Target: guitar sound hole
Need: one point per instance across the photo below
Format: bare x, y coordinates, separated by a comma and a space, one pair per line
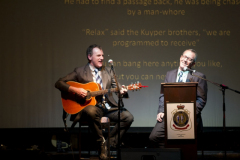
80, 100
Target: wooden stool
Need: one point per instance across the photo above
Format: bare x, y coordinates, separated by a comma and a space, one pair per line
105, 123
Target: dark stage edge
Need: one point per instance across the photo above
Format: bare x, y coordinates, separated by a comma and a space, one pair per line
17, 143
208, 155
40, 155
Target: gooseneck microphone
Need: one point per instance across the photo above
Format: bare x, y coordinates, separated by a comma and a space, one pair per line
110, 61
188, 69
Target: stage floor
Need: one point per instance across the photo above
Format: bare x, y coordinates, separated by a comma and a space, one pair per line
36, 144
73, 155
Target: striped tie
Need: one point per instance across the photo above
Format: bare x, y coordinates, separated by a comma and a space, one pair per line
99, 81
98, 78
180, 79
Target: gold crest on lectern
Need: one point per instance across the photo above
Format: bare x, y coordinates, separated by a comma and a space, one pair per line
180, 120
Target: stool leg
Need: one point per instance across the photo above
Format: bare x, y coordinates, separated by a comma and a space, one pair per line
108, 145
88, 143
79, 141
106, 125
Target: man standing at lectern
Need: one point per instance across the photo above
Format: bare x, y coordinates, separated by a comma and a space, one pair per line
187, 60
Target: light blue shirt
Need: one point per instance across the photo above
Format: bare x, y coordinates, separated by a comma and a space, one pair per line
184, 76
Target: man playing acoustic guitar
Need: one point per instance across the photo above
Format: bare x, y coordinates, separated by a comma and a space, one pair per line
93, 109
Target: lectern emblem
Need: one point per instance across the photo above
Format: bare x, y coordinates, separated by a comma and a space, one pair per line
180, 119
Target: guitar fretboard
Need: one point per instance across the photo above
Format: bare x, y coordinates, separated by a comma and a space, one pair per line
102, 92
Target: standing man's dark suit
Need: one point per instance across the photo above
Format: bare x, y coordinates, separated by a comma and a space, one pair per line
201, 90
158, 133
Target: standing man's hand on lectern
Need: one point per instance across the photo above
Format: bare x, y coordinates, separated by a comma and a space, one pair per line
160, 117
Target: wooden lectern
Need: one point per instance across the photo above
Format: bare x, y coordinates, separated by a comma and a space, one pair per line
180, 117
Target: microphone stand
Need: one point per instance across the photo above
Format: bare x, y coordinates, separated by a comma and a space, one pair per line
222, 88
120, 105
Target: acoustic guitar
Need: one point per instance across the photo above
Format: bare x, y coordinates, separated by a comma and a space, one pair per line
72, 103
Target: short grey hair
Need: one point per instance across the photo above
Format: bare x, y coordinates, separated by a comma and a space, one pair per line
193, 51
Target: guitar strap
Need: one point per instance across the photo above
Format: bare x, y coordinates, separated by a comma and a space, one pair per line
77, 119
64, 117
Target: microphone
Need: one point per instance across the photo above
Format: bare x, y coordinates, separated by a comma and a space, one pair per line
188, 69
110, 61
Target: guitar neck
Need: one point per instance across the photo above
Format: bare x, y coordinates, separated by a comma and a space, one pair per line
102, 92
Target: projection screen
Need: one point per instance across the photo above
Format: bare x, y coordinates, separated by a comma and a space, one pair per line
43, 40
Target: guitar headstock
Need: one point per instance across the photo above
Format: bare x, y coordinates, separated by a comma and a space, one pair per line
135, 86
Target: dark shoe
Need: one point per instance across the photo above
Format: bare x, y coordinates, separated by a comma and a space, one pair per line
103, 152
111, 145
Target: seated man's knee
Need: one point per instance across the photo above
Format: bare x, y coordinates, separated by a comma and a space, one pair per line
152, 137
128, 117
90, 111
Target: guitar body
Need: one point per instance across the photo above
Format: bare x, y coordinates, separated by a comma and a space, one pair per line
72, 103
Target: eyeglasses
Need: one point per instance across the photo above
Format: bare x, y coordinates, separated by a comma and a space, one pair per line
188, 59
